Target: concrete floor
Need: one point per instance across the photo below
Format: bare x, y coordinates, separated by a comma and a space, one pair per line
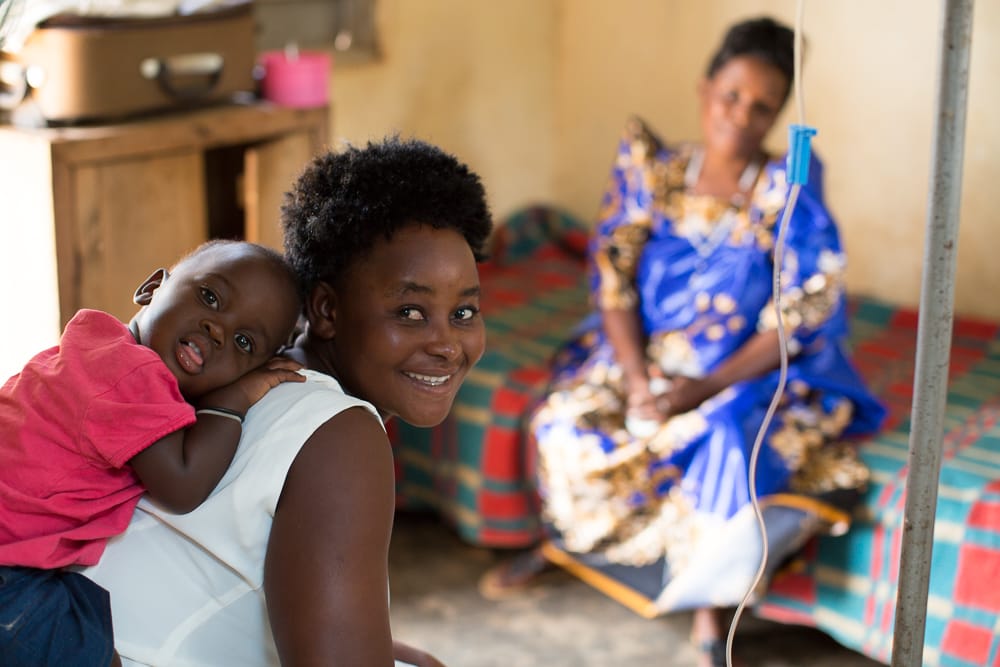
560, 623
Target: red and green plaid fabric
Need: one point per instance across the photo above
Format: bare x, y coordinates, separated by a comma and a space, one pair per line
846, 586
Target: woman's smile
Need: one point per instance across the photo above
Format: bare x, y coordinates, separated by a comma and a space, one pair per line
429, 380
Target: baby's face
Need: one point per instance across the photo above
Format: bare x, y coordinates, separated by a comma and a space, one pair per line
219, 315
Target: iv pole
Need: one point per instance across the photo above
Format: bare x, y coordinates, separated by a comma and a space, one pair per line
930, 383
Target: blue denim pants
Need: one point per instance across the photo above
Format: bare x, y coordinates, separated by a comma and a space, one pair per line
53, 618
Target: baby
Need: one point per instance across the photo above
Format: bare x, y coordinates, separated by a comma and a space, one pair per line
112, 411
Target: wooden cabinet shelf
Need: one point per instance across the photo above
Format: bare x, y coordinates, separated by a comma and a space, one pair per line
88, 212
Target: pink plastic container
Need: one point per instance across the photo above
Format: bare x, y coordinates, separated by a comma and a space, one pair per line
301, 81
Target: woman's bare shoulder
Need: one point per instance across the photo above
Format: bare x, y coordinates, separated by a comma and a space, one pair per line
350, 444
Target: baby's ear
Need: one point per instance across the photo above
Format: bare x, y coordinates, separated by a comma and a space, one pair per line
144, 294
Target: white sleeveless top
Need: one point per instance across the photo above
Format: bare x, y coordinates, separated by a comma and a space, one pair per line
186, 590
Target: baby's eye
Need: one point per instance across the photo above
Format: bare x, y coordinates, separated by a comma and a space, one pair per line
209, 297
466, 313
244, 343
411, 313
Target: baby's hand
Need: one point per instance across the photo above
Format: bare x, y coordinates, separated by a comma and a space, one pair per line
257, 383
250, 388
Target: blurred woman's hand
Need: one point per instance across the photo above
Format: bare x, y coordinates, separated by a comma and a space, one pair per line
683, 395
641, 402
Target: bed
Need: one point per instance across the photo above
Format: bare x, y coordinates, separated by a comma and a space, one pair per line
474, 469
846, 586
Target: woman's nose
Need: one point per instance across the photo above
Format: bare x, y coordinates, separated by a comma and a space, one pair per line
740, 114
444, 343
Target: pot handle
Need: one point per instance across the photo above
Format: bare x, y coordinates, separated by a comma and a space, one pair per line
170, 70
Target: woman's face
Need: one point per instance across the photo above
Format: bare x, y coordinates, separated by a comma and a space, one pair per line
408, 326
739, 104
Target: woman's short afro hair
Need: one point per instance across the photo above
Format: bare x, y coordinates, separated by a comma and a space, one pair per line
344, 201
762, 38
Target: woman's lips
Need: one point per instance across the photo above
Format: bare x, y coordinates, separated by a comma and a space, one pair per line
430, 379
436, 384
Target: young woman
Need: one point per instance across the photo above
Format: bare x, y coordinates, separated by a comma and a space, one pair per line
287, 561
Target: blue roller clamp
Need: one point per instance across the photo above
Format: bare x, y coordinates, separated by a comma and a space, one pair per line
799, 150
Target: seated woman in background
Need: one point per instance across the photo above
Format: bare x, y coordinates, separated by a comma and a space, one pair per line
287, 561
645, 437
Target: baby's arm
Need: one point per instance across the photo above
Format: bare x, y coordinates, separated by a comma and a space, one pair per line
181, 469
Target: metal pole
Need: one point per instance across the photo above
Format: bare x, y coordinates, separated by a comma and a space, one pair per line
930, 383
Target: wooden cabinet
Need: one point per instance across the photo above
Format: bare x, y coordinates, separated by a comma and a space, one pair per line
89, 212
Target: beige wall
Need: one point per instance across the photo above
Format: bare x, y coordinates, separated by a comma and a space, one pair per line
473, 77
533, 94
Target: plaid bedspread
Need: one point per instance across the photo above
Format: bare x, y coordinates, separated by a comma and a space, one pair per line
473, 469
846, 586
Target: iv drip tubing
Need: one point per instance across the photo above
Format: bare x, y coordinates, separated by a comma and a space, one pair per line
779, 248
793, 196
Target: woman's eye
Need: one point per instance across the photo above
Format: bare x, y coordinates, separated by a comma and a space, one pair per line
244, 343
466, 313
409, 313
209, 297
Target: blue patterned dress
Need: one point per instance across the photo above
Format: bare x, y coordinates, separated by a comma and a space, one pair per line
699, 269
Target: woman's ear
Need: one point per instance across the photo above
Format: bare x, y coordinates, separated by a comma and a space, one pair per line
144, 294
702, 89
321, 310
